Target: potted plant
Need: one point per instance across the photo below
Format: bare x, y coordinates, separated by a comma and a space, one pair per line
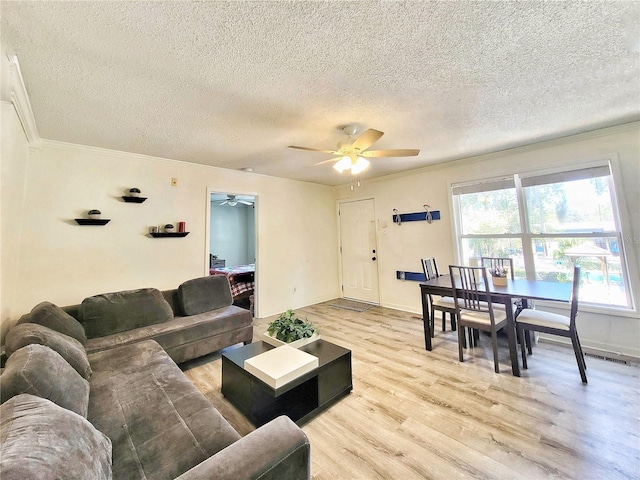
290, 329
498, 275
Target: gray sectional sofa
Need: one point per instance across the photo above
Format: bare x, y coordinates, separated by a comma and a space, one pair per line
192, 320
93, 391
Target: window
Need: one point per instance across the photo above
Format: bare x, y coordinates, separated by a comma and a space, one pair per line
547, 222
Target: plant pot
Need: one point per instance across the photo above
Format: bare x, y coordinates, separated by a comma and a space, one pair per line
501, 281
296, 344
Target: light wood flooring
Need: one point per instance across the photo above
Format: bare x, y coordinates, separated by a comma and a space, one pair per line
415, 414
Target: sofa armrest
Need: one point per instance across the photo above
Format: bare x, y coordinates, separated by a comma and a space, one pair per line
277, 450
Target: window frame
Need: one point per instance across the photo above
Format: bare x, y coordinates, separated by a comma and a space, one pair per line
619, 209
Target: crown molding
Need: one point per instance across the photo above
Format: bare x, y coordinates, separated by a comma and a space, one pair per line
18, 96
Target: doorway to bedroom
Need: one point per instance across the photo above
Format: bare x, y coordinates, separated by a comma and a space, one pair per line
232, 244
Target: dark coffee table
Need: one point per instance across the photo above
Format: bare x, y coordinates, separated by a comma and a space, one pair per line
299, 399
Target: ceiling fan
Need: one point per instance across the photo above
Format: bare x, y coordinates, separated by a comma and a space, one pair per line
353, 153
232, 201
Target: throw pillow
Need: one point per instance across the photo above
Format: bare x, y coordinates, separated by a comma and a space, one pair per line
38, 370
70, 348
116, 312
205, 294
55, 318
41, 441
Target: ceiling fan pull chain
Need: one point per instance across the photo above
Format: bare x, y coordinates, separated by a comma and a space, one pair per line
355, 180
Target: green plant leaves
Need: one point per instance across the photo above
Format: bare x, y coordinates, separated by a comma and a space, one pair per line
289, 328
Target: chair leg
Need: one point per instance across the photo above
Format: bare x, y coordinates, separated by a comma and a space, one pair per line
521, 335
461, 341
494, 345
579, 358
432, 321
444, 321
453, 321
581, 352
472, 342
527, 338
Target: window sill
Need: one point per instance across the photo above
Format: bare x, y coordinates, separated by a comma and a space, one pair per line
592, 308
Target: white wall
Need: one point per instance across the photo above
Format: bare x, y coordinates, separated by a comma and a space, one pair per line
63, 262
401, 247
232, 233
13, 173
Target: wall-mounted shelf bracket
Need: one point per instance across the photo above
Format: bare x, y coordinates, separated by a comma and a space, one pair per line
167, 234
134, 199
92, 221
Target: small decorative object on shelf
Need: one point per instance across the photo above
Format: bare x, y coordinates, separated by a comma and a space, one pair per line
182, 226
289, 329
168, 231
94, 219
498, 275
134, 196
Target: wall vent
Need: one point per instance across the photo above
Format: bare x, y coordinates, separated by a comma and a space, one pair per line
602, 357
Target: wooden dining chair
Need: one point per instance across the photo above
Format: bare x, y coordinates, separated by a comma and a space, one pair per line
474, 309
506, 262
441, 304
555, 324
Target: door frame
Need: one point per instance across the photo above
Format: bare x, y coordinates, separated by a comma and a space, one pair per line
340, 266
207, 236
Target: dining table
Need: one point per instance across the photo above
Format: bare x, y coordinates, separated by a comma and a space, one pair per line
518, 289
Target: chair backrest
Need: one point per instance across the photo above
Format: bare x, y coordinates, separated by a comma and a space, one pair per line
471, 294
430, 268
574, 297
493, 262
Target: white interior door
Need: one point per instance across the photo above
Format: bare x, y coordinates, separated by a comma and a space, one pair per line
358, 246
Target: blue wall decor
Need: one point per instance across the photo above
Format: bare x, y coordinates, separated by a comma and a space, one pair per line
416, 217
412, 276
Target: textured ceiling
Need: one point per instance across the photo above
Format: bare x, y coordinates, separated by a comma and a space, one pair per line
232, 84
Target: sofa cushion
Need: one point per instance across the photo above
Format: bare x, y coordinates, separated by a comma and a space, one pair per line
179, 330
38, 370
160, 425
40, 440
205, 294
55, 318
111, 313
70, 349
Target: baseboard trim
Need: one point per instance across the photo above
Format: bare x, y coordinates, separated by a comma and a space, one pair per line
598, 353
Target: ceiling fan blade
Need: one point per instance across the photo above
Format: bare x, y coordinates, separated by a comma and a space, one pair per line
326, 161
365, 140
313, 149
403, 152
224, 203
244, 202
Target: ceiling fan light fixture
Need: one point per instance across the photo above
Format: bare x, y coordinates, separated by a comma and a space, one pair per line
354, 163
343, 164
359, 165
